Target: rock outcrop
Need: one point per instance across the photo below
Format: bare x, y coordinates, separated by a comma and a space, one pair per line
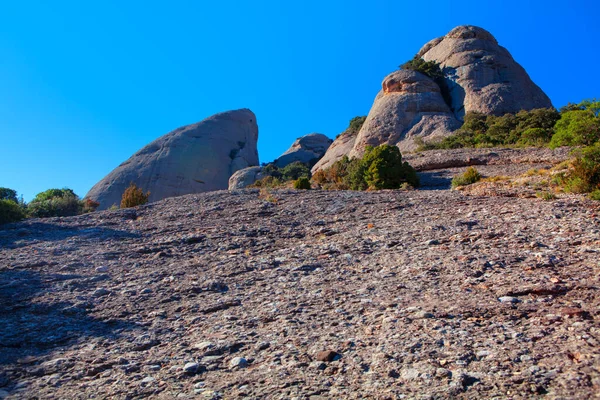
305, 149
341, 146
409, 105
481, 75
245, 177
192, 159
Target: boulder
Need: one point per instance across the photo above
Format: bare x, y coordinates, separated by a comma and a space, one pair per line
481, 75
305, 149
410, 105
192, 159
245, 177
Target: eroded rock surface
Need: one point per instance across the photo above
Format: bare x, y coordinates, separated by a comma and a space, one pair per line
341, 146
385, 294
409, 105
305, 149
481, 75
192, 159
244, 177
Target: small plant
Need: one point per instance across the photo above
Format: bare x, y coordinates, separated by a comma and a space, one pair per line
265, 195
546, 196
89, 205
267, 182
10, 211
302, 183
595, 195
470, 176
134, 196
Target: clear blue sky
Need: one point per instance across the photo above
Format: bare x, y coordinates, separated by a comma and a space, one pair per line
83, 85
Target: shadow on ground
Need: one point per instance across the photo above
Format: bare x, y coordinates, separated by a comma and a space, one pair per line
435, 180
32, 326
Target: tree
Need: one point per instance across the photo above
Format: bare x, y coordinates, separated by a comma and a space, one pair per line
575, 128
8, 194
55, 203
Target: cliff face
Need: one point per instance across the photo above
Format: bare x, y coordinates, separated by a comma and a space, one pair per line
478, 75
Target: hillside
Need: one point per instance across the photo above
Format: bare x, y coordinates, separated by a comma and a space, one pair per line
237, 294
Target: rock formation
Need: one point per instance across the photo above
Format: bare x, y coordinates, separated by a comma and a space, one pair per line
409, 105
482, 75
245, 177
479, 75
192, 159
305, 149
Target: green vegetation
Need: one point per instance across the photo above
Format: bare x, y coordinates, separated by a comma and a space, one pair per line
354, 126
10, 211
54, 203
276, 177
526, 128
470, 176
429, 68
302, 183
8, 194
134, 196
379, 168
546, 195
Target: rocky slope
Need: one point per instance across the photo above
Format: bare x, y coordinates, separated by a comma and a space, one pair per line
306, 295
192, 159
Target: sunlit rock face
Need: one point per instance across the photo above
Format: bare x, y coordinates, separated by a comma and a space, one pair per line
481, 75
192, 159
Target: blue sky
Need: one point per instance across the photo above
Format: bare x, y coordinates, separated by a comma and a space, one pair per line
83, 85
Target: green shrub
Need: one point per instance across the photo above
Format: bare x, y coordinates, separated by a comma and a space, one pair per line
546, 195
380, 168
595, 195
354, 126
134, 196
302, 183
575, 128
10, 211
586, 168
429, 68
54, 203
384, 169
267, 182
470, 176
8, 194
295, 171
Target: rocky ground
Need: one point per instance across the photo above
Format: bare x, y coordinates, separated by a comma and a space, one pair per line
306, 295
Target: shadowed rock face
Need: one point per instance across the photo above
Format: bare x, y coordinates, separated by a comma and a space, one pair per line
409, 105
192, 159
340, 147
482, 75
305, 149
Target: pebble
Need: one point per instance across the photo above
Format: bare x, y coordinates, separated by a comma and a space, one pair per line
148, 379
191, 367
100, 292
102, 268
508, 299
328, 355
238, 362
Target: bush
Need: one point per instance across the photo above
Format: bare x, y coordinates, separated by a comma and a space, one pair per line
354, 126
89, 205
134, 196
10, 211
384, 169
302, 183
586, 169
294, 171
595, 195
470, 176
8, 194
380, 168
576, 128
267, 182
54, 203
429, 68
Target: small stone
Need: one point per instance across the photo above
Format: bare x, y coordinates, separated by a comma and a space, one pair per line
328, 355
239, 362
410, 374
146, 291
204, 346
320, 365
424, 315
443, 373
262, 346
191, 367
147, 380
3, 394
432, 242
100, 292
508, 299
